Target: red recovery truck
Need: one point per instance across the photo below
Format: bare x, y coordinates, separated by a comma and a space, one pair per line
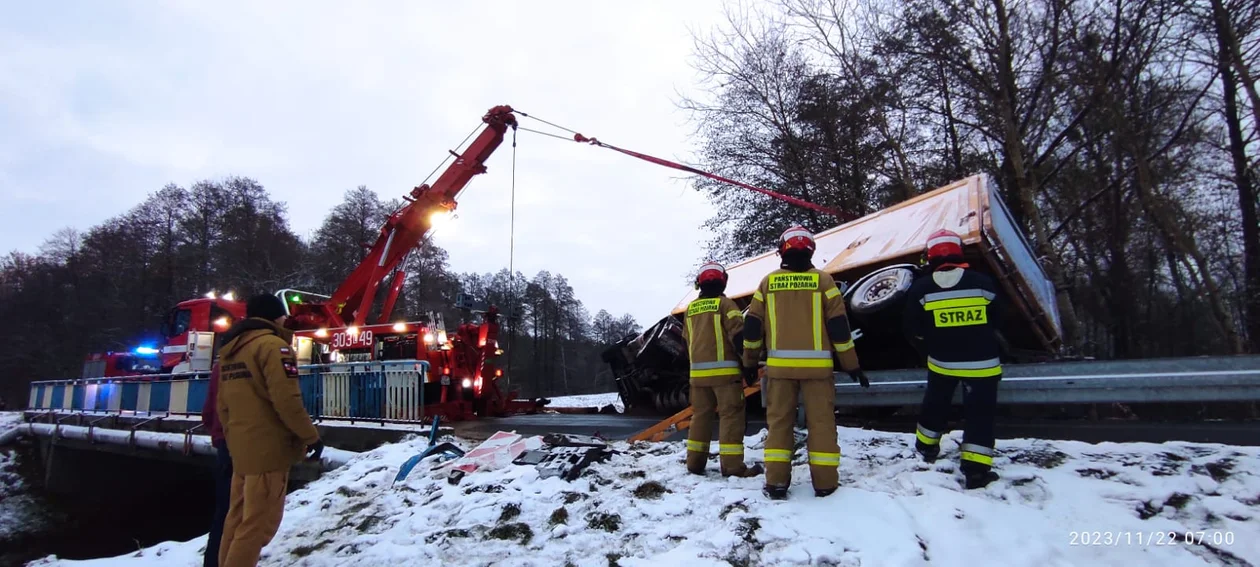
342, 327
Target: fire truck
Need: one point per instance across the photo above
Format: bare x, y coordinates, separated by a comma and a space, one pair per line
140, 362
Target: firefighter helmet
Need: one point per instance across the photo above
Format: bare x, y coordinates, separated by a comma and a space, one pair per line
796, 238
944, 244
710, 272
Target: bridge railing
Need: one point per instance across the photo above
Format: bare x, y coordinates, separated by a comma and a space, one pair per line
367, 391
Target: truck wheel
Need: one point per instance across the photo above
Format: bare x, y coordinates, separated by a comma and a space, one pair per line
881, 290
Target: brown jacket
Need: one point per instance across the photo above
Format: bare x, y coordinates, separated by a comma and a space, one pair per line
259, 402
804, 324
709, 329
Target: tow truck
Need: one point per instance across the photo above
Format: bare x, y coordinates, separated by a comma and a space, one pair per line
344, 327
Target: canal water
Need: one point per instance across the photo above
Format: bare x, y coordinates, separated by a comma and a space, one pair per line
119, 504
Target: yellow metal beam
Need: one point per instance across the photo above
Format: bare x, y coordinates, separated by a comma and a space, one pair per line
677, 422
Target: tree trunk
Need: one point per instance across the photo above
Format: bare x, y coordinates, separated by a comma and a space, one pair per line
1178, 239
1231, 52
1023, 184
1242, 176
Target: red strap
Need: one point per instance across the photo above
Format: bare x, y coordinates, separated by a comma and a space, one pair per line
793, 200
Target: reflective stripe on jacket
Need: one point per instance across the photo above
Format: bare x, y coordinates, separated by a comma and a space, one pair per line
800, 311
956, 326
710, 328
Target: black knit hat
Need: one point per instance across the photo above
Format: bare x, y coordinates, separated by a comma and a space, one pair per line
265, 306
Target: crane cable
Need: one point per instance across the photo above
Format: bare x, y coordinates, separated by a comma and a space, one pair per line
512, 303
577, 137
512, 226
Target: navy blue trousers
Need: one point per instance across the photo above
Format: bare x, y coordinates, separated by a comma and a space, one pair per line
222, 491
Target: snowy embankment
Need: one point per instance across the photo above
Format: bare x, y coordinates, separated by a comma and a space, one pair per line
20, 512
1057, 503
589, 401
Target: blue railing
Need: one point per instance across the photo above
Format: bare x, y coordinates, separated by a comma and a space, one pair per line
392, 390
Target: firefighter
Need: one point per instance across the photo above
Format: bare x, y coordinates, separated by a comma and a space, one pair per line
265, 424
798, 315
222, 467
712, 324
951, 317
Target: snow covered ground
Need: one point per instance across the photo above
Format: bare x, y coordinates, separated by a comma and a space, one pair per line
588, 401
21, 511
1057, 504
15, 512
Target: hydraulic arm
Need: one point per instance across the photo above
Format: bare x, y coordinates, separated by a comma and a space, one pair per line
352, 302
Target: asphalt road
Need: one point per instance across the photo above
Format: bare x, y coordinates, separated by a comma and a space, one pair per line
620, 427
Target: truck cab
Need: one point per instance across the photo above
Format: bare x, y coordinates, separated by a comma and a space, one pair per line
190, 328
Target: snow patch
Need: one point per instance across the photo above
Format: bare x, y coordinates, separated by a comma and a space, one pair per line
589, 401
1057, 503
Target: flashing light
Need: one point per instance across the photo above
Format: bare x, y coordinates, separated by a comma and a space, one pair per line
222, 322
321, 333
498, 352
352, 330
229, 296
211, 294
145, 350
400, 327
467, 383
498, 373
428, 338
439, 218
446, 370
441, 337
295, 299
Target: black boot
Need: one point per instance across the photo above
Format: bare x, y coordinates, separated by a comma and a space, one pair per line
979, 479
775, 492
823, 492
929, 452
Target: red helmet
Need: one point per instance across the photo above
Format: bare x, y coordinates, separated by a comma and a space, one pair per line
944, 244
711, 272
796, 238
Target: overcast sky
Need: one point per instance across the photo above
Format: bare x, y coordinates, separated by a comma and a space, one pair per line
102, 103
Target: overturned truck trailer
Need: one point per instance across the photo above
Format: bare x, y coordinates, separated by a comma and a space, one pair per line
874, 260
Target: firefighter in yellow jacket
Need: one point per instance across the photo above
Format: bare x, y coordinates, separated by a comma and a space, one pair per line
798, 315
713, 322
265, 425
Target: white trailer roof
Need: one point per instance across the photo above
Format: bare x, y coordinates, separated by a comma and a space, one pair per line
895, 232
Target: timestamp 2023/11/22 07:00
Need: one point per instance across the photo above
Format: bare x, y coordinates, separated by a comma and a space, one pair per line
1102, 537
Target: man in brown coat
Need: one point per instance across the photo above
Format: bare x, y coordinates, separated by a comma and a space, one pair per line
711, 325
265, 424
799, 311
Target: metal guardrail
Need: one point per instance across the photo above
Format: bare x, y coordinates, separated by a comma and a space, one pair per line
368, 391
1163, 380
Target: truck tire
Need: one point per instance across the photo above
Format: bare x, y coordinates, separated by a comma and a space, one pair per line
881, 289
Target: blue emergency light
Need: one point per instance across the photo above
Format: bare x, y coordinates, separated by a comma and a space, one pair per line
145, 350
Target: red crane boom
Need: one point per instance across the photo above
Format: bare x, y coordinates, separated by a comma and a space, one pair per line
351, 303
